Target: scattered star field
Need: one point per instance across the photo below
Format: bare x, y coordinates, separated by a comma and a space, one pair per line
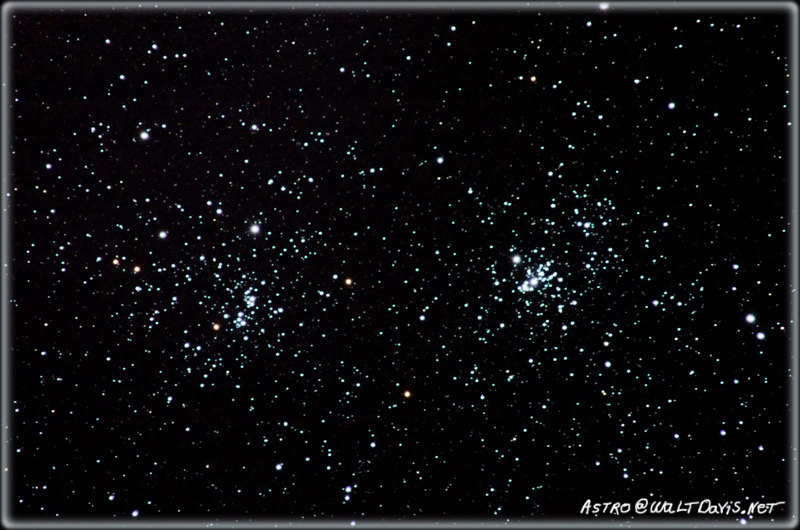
352, 263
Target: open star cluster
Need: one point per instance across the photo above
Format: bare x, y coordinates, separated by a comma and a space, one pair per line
366, 264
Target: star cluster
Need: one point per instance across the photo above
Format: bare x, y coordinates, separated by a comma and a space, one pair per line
354, 263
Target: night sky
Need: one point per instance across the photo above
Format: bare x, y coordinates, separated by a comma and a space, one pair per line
397, 264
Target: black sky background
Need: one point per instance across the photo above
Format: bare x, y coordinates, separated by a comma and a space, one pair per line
95, 360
